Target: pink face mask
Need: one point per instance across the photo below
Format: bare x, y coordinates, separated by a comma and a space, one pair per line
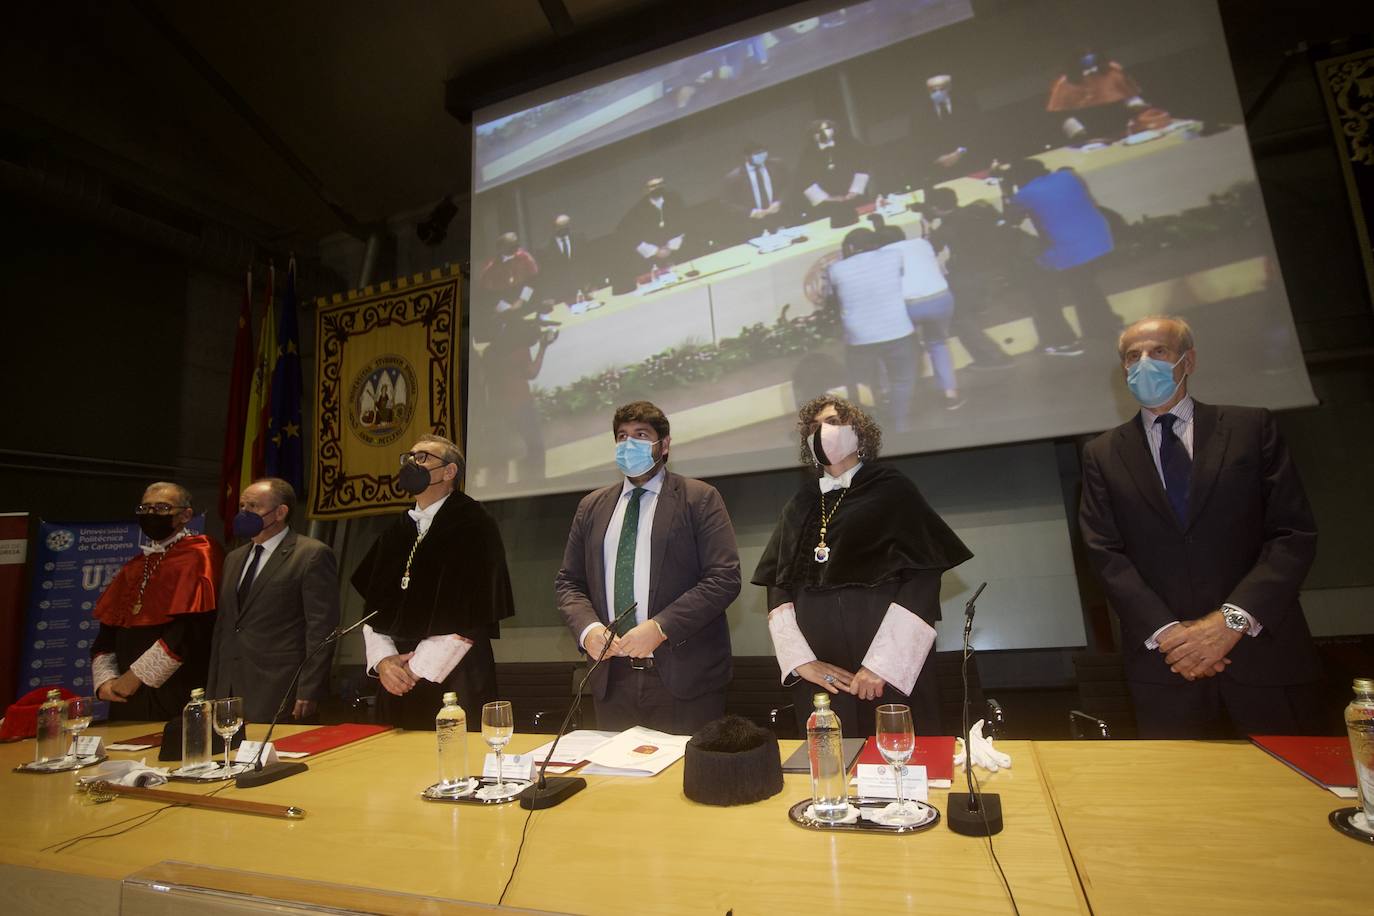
832, 444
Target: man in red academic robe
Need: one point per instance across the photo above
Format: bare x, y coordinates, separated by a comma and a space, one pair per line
158, 615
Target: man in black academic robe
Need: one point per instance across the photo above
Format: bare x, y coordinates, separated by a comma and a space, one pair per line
654, 233
438, 576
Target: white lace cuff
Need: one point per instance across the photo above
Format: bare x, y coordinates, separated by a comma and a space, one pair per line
899, 649
859, 184
789, 644
377, 648
104, 667
814, 194
646, 250
436, 656
155, 665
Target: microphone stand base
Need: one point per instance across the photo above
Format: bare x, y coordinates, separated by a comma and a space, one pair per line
970, 815
554, 791
269, 773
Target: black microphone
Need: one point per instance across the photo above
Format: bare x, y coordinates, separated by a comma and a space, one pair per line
972, 813
261, 775
546, 793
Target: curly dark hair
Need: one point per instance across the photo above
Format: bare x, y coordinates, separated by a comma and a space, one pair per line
869, 433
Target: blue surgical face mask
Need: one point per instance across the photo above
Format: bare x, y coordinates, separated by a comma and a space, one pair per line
1152, 381
634, 457
759, 158
939, 96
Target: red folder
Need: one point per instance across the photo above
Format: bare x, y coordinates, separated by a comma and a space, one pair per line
935, 753
327, 737
1325, 761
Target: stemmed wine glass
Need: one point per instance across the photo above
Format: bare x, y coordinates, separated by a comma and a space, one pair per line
76, 717
228, 719
498, 723
896, 741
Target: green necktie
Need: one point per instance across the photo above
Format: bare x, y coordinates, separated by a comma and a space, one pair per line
625, 563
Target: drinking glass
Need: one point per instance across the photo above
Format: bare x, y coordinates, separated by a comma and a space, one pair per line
498, 723
228, 719
896, 741
76, 717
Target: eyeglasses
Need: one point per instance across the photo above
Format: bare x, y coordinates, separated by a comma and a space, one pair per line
158, 509
419, 458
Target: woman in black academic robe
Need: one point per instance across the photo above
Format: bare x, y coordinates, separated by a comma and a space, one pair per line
853, 577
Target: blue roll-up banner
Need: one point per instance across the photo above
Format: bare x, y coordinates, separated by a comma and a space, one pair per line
72, 564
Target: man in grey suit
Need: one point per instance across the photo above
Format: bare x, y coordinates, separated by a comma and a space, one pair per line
663, 543
279, 600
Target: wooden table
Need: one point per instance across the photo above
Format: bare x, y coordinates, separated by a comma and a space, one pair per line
1200, 827
621, 846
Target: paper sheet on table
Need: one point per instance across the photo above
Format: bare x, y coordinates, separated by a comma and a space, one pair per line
573, 749
637, 751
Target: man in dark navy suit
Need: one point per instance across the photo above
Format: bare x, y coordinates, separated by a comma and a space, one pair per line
1197, 522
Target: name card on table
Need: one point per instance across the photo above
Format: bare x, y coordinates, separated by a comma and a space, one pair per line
86, 746
513, 766
248, 752
876, 780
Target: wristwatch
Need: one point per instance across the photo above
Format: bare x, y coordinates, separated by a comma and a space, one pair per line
1235, 619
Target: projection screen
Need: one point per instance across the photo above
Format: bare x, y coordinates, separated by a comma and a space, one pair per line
944, 209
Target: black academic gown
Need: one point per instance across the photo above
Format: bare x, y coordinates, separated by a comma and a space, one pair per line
886, 545
458, 584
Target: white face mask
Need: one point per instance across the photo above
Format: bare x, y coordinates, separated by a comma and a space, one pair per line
836, 443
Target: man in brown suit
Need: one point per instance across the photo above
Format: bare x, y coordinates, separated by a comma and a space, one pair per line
664, 544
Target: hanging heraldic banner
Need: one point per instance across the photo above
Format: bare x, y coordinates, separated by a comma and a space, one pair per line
1347, 84
388, 373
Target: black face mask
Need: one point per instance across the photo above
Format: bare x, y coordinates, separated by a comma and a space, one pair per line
157, 527
817, 450
413, 479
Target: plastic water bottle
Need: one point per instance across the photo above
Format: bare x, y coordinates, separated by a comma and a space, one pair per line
50, 729
1359, 725
829, 787
195, 733
451, 727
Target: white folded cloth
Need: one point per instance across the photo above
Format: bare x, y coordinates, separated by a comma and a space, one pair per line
127, 773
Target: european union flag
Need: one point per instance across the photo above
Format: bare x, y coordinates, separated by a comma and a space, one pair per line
285, 450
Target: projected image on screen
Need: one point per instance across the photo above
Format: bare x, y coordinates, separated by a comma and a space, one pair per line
945, 210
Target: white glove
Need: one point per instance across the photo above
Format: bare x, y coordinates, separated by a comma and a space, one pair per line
982, 751
128, 773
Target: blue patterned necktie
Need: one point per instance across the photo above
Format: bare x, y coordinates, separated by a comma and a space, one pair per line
625, 563
1176, 466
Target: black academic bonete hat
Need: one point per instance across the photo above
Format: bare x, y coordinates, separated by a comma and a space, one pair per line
732, 761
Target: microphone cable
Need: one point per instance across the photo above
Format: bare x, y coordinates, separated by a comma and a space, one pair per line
978, 789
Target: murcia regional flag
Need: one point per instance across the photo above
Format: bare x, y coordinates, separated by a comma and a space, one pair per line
388, 372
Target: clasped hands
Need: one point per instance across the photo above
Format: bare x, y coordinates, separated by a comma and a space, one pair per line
640, 642
1198, 648
864, 684
119, 689
395, 674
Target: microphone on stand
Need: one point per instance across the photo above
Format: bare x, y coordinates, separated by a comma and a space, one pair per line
972, 813
261, 775
546, 793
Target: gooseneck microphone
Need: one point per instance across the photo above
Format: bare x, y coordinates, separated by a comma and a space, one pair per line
261, 775
972, 813
546, 793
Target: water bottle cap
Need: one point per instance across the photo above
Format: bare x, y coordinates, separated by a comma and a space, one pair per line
198, 693
1364, 685
55, 694
821, 699
450, 699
